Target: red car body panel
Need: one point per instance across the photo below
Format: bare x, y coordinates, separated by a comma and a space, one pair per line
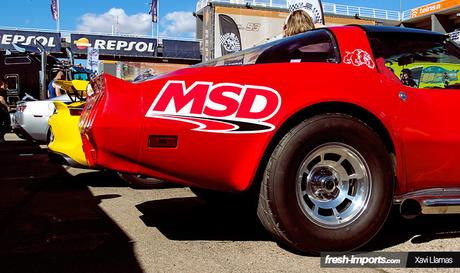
422, 129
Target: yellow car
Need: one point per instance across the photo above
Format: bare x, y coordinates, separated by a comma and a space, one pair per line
65, 145
65, 142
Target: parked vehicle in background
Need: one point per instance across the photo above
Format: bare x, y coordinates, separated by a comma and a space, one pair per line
31, 117
65, 145
21, 73
30, 120
326, 135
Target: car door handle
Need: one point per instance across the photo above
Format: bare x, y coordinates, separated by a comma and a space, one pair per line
38, 116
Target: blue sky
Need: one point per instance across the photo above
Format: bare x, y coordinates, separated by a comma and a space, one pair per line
98, 15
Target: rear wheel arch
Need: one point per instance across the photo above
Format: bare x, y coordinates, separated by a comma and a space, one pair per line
339, 171
323, 108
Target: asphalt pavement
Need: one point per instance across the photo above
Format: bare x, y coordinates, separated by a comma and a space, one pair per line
59, 219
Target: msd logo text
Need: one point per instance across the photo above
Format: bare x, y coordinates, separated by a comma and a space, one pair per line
218, 108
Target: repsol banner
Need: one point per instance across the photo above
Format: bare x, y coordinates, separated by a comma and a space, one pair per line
51, 41
114, 45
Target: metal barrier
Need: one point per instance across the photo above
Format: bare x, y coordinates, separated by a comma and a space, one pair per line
261, 3
346, 10
407, 14
329, 8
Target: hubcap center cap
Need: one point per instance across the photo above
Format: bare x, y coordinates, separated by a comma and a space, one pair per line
329, 185
323, 182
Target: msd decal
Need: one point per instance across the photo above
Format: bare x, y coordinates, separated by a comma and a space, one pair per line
359, 57
218, 108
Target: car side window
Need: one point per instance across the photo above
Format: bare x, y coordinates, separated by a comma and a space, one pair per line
312, 46
426, 62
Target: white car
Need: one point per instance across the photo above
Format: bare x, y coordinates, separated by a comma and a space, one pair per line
31, 118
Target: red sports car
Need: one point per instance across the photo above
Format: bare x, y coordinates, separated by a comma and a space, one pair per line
317, 124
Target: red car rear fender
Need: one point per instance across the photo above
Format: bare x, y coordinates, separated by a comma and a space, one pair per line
114, 134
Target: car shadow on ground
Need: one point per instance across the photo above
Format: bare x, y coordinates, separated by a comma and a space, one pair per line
51, 222
422, 229
192, 219
101, 179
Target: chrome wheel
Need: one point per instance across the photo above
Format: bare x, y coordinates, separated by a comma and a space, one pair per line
333, 185
328, 185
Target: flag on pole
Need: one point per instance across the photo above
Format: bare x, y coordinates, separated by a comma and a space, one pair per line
154, 11
55, 9
230, 37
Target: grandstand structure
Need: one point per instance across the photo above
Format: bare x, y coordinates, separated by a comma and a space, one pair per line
257, 21
441, 16
330, 9
226, 26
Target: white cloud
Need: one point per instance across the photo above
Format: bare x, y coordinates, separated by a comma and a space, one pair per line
178, 24
127, 24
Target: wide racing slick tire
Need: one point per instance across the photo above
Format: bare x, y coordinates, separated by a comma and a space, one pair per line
142, 182
328, 185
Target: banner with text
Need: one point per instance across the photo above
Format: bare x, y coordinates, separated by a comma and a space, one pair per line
433, 7
51, 41
114, 45
390, 260
237, 29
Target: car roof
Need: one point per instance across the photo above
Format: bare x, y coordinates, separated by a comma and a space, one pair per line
376, 30
371, 32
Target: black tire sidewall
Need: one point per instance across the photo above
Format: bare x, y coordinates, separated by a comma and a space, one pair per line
302, 232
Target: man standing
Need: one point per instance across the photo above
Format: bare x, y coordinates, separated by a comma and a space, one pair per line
5, 122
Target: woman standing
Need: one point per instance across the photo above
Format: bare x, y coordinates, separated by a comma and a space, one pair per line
298, 22
304, 15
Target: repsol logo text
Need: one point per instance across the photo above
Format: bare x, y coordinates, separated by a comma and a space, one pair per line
124, 45
9, 39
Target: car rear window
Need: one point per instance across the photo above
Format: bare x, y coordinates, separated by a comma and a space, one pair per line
312, 46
